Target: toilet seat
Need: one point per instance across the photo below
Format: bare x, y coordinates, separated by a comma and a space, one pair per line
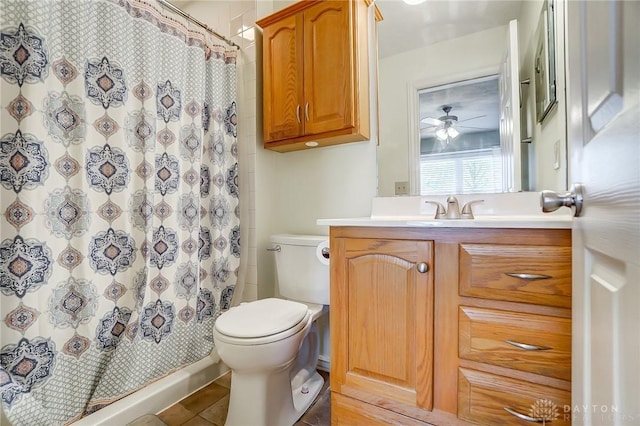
262, 321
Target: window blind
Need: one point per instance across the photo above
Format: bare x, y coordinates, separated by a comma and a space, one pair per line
461, 172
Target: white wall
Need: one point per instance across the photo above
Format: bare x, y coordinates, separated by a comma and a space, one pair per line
431, 65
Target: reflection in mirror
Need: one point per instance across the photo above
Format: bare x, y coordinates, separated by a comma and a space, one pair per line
459, 138
441, 42
544, 63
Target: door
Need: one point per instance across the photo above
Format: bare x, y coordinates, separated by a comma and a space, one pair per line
509, 84
282, 79
382, 321
603, 113
329, 67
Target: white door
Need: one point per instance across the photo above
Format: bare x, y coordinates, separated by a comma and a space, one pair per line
603, 101
509, 84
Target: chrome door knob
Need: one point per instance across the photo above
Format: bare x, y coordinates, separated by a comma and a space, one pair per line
551, 201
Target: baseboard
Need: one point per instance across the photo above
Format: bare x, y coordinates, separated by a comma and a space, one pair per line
324, 363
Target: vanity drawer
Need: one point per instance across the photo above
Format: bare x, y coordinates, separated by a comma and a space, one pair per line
517, 273
484, 398
538, 344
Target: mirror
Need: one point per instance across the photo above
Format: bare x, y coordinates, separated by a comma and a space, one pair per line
440, 43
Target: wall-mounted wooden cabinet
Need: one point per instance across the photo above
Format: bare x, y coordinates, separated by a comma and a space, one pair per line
316, 74
450, 326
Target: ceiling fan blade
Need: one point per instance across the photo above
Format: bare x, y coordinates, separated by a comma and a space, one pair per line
431, 121
472, 118
476, 128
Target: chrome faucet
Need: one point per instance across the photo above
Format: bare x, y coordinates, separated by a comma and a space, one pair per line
453, 209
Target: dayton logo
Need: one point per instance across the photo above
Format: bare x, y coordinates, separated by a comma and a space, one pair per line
544, 411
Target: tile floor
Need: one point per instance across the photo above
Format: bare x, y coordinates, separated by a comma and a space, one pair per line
208, 407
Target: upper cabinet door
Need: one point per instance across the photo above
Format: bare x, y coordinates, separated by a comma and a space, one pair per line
282, 74
328, 67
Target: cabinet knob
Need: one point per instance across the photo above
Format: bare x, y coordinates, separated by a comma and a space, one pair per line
422, 267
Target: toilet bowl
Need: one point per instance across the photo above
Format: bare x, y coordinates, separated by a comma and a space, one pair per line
272, 345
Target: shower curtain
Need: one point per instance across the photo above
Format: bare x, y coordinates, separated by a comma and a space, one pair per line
119, 234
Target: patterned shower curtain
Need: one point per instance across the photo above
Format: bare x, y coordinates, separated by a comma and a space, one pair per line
119, 234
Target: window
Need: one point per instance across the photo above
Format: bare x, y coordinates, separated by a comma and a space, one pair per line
476, 171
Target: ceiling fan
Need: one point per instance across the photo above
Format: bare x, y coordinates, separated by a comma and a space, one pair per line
446, 126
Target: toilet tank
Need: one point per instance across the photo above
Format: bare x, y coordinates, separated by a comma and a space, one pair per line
303, 274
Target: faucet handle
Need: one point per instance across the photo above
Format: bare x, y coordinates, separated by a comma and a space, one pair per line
440, 210
467, 213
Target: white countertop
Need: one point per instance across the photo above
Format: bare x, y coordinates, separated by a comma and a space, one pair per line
551, 222
511, 210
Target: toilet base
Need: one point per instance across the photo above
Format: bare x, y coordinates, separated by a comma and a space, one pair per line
302, 399
277, 399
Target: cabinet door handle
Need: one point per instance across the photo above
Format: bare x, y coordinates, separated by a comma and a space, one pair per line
298, 113
422, 267
528, 347
524, 416
528, 277
306, 111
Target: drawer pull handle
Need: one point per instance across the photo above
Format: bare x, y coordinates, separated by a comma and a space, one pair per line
528, 277
527, 347
524, 416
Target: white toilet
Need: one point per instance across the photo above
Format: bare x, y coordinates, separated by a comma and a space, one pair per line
271, 345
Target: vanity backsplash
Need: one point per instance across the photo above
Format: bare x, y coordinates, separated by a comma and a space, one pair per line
508, 204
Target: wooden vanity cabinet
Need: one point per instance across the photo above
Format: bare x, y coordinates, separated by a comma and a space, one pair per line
462, 342
316, 74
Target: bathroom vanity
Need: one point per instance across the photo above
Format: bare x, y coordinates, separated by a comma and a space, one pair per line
450, 322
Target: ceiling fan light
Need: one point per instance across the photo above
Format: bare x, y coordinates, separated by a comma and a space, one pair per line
441, 134
414, 2
452, 132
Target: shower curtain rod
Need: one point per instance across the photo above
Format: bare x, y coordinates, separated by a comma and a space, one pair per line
195, 21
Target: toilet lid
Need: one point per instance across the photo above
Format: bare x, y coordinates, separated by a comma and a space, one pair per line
261, 318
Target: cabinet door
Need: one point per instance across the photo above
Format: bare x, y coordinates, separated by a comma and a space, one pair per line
282, 79
329, 67
382, 322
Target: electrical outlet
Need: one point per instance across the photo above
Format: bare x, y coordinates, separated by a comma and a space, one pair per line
402, 188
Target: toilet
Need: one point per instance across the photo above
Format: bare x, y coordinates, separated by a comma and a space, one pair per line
272, 345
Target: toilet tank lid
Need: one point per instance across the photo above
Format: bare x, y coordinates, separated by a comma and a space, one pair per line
298, 240
261, 318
